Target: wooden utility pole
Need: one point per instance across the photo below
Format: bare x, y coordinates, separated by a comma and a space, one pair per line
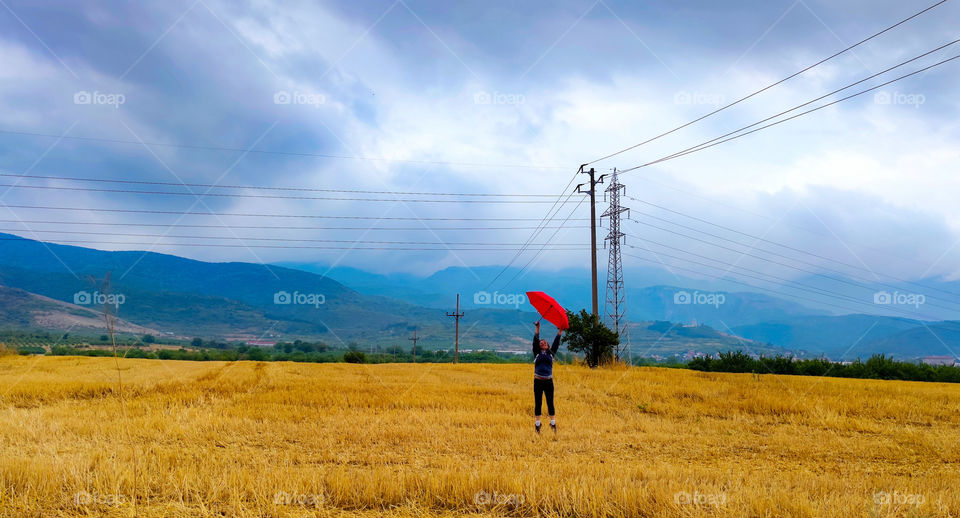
414, 340
593, 234
457, 315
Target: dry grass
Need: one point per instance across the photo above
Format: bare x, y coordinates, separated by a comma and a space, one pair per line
216, 439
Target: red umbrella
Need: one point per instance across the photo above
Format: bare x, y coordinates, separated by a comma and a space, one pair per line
549, 309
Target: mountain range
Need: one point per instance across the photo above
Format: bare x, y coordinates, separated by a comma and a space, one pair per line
50, 286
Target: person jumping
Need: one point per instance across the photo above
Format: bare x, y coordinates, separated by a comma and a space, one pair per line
543, 375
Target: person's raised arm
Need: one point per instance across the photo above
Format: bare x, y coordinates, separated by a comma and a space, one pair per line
556, 342
536, 338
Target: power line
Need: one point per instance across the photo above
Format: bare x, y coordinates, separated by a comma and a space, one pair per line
254, 215
271, 152
224, 245
752, 213
266, 196
791, 76
827, 95
265, 187
245, 238
727, 267
758, 238
778, 280
535, 256
811, 272
894, 309
704, 145
250, 227
802, 287
751, 286
540, 226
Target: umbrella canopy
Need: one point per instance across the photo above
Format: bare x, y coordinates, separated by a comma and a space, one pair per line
549, 309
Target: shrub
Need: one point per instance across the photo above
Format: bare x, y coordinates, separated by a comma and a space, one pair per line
355, 357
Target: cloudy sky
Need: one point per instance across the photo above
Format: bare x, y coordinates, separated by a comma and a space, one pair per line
483, 97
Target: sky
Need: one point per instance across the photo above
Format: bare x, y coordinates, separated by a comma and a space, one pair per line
489, 98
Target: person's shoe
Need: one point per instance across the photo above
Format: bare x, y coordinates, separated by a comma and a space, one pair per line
554, 426
538, 428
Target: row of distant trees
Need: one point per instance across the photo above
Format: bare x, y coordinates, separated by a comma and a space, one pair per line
587, 339
275, 354
876, 367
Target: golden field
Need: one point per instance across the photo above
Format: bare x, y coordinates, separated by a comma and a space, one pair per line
283, 439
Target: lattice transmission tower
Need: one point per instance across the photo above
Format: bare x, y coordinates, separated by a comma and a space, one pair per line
614, 307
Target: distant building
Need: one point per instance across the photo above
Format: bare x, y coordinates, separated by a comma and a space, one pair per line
261, 343
940, 360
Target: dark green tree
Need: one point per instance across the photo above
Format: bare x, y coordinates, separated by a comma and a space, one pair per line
256, 354
589, 336
354, 357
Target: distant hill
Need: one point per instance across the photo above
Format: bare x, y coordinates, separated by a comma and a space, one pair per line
571, 287
667, 339
188, 297
858, 336
165, 294
25, 310
933, 339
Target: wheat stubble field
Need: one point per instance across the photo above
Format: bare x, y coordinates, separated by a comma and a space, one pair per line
283, 439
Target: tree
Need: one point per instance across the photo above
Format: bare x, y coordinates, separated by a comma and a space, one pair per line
197, 342
589, 336
256, 354
149, 339
355, 357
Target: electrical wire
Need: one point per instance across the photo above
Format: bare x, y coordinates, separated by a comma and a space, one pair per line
762, 239
262, 196
704, 145
791, 76
246, 238
780, 281
535, 256
540, 226
254, 215
263, 187
804, 270
270, 152
224, 245
251, 227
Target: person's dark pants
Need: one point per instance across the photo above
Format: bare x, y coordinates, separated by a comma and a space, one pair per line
541, 388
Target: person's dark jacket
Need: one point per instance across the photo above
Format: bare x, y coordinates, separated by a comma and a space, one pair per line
543, 360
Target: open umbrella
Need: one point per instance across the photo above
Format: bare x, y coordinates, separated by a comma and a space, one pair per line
549, 309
